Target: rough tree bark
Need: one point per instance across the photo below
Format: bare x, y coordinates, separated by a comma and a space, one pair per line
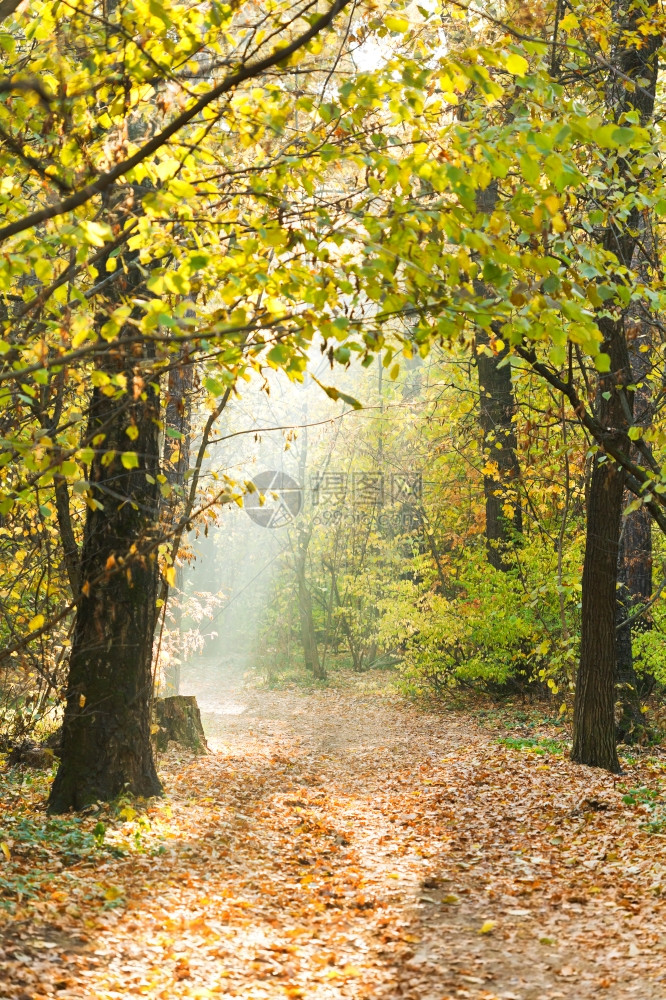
635, 564
106, 746
631, 87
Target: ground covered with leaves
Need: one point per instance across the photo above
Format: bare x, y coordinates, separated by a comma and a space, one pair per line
344, 843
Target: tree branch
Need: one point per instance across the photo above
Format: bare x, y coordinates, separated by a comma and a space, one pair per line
105, 180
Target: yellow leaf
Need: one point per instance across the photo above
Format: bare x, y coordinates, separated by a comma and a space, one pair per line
517, 65
552, 203
558, 223
170, 575
82, 700
36, 622
395, 23
569, 22
5, 850
487, 926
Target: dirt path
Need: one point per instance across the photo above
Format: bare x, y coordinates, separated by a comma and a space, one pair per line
338, 844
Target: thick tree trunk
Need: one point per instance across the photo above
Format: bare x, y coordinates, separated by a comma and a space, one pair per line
106, 746
634, 584
631, 87
500, 486
635, 565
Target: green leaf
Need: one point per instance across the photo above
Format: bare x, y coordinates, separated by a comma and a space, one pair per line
214, 386
327, 112
334, 393
529, 168
130, 460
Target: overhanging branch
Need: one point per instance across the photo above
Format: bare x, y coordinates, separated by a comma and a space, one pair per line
105, 180
636, 478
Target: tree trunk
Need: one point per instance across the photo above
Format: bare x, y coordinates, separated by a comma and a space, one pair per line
500, 486
308, 637
635, 565
594, 716
70, 549
106, 746
631, 87
497, 406
176, 462
630, 727
634, 592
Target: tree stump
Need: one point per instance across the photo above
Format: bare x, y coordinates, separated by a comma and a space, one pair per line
27, 753
178, 719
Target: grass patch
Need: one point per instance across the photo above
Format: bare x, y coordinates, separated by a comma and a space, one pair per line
539, 745
648, 801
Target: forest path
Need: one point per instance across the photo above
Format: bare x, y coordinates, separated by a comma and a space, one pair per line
342, 843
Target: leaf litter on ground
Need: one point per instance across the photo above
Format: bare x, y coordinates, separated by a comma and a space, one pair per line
343, 843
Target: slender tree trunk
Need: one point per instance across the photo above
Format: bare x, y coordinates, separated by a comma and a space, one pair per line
70, 548
308, 637
630, 727
311, 656
106, 747
357, 659
631, 87
497, 406
500, 482
176, 462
